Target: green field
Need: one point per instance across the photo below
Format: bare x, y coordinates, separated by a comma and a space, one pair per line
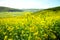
40, 25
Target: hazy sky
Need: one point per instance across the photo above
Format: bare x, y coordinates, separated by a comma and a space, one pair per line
27, 4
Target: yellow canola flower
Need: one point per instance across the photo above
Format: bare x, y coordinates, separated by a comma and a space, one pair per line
10, 39
36, 33
38, 38
4, 33
53, 36
46, 27
22, 31
45, 35
10, 28
6, 37
32, 29
17, 27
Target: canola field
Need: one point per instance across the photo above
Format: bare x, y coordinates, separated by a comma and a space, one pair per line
30, 27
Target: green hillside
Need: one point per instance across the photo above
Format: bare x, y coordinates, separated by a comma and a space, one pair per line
7, 9
54, 10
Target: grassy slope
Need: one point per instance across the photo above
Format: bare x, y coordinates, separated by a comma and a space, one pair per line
13, 14
49, 11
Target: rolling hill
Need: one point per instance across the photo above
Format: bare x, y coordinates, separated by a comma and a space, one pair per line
49, 10
7, 9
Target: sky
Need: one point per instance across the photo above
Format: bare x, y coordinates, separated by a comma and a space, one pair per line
30, 4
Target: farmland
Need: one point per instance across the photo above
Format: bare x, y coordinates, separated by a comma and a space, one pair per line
43, 25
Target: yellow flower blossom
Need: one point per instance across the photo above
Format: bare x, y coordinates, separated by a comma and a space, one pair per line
45, 35
6, 37
10, 28
32, 29
10, 39
36, 33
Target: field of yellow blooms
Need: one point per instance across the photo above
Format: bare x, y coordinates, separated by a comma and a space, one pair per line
30, 27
